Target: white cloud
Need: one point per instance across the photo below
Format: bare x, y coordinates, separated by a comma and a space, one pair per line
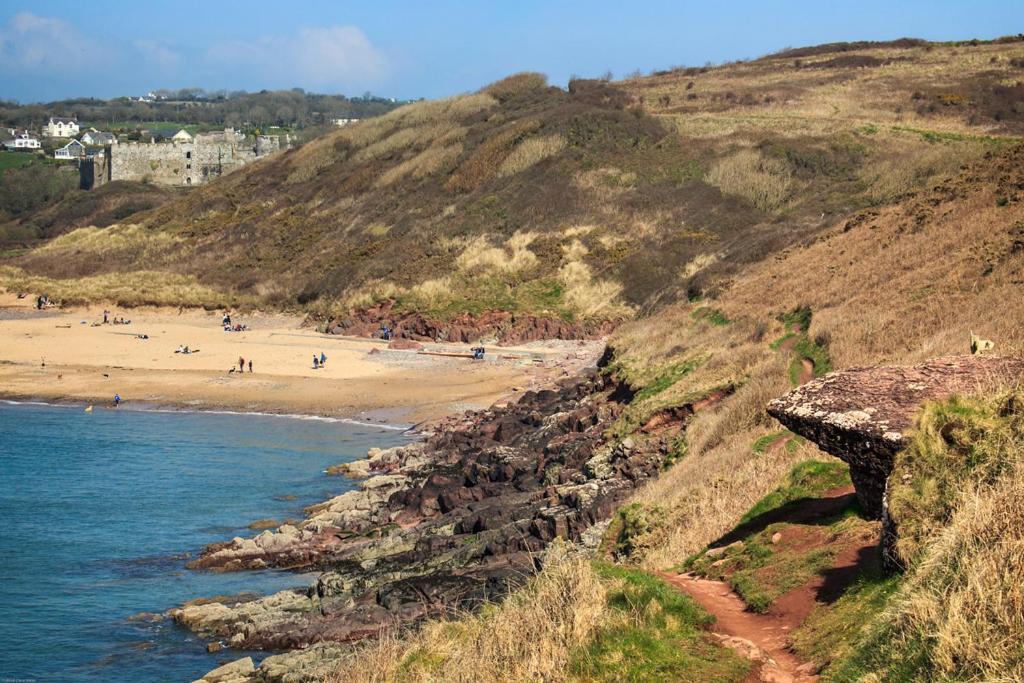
331, 56
42, 44
158, 53
48, 57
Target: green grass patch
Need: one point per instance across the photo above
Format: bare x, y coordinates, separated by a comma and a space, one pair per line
15, 159
830, 634
808, 479
761, 445
777, 344
800, 316
758, 570
935, 136
666, 377
806, 347
711, 315
655, 633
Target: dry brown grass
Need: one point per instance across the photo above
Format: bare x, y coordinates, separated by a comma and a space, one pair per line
133, 288
767, 183
529, 152
904, 287
427, 162
967, 597
515, 256
482, 163
528, 637
516, 84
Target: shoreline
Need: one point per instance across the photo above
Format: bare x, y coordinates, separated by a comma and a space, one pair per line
153, 407
70, 356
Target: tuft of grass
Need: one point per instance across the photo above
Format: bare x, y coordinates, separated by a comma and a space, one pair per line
532, 635
529, 152
653, 633
961, 439
766, 182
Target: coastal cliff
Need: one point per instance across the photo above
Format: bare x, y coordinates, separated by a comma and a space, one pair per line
445, 524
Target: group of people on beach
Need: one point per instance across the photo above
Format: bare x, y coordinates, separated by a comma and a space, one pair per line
115, 321
319, 361
241, 365
42, 301
228, 327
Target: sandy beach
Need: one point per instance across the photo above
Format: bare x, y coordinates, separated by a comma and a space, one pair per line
64, 355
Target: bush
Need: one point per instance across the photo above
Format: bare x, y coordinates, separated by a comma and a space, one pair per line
516, 84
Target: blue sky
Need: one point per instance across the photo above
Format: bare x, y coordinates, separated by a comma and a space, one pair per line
102, 48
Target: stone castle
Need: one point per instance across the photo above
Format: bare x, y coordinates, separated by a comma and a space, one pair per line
181, 162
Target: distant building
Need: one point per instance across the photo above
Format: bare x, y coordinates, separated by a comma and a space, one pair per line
60, 127
22, 140
72, 150
343, 122
181, 136
98, 138
183, 164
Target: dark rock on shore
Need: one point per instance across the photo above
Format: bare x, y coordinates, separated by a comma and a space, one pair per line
444, 524
503, 326
863, 415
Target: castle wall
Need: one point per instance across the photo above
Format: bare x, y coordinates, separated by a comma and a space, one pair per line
188, 164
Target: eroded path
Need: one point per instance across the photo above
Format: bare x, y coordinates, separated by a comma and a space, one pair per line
759, 637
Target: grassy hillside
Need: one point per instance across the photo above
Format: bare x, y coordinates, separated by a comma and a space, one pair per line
600, 202
896, 284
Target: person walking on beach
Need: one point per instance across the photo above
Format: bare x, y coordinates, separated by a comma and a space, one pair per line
250, 366
316, 362
106, 313
117, 400
241, 364
323, 359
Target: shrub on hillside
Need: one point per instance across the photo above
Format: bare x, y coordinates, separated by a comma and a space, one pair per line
516, 84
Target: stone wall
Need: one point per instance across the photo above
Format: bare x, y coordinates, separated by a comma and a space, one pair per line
208, 156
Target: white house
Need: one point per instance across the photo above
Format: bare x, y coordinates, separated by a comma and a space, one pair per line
60, 127
343, 122
22, 140
72, 150
98, 138
181, 136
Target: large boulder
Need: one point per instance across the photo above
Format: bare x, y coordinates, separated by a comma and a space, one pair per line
863, 415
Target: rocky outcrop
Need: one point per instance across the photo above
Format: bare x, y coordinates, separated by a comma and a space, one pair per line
863, 415
502, 326
447, 523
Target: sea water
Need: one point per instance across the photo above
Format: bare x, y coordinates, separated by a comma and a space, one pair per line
100, 511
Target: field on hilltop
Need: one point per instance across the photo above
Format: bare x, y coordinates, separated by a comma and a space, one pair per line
599, 202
